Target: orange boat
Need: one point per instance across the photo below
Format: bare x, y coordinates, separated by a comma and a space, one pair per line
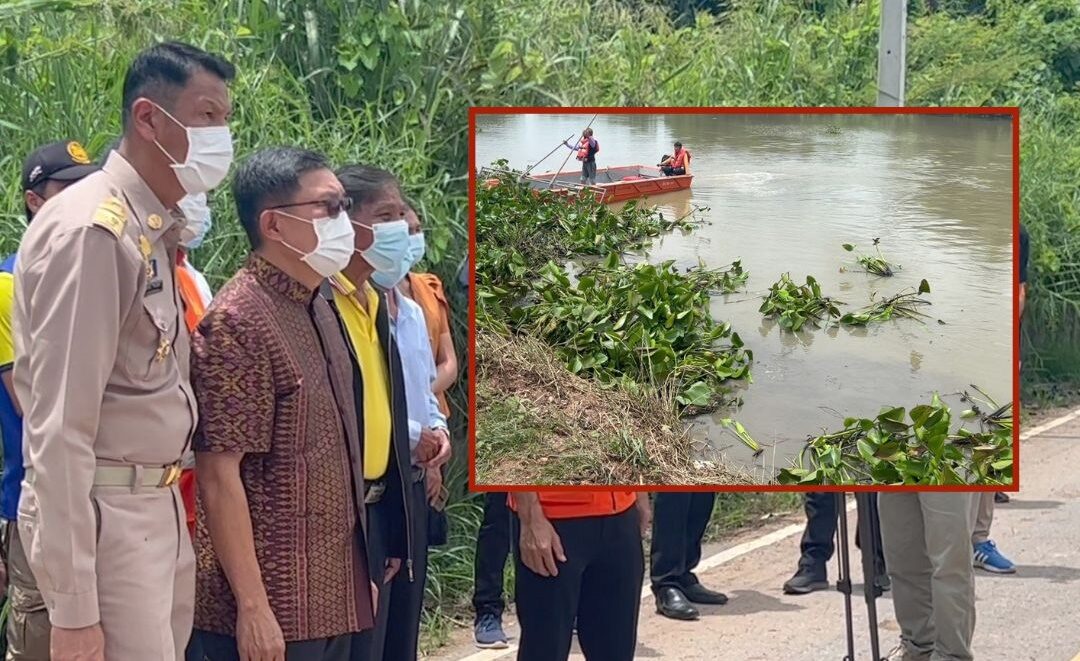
613, 184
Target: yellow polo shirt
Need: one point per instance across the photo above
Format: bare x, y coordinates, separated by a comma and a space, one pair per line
360, 324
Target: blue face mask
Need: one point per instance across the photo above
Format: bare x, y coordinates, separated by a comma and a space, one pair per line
417, 247
389, 252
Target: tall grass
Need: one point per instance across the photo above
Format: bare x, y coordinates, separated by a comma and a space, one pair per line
389, 82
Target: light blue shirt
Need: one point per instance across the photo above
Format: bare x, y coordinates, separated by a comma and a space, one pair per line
418, 366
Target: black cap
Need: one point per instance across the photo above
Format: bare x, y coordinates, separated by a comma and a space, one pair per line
60, 161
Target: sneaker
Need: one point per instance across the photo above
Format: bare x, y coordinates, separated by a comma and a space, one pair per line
989, 558
806, 580
489, 633
1000, 497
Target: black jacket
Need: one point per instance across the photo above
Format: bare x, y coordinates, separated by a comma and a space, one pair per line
398, 476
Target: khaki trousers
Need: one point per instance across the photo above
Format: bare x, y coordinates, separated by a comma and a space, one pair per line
927, 545
983, 505
28, 621
145, 572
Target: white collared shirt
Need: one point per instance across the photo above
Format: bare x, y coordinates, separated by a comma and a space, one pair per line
418, 366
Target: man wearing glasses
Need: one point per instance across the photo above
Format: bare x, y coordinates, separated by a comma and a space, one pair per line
281, 560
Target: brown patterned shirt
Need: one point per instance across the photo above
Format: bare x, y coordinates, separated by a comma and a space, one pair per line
273, 379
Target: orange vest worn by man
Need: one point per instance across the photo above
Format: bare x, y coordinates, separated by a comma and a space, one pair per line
579, 558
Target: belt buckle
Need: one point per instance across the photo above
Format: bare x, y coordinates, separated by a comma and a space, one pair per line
171, 475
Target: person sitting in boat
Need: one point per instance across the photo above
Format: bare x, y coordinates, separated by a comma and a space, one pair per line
586, 149
676, 164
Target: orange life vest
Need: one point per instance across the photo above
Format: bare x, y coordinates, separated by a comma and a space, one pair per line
578, 504
682, 159
194, 309
583, 149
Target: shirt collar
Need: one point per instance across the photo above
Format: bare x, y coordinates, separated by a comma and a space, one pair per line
278, 280
144, 203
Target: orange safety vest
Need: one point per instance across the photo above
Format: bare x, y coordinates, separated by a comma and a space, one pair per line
681, 159
427, 291
578, 504
194, 309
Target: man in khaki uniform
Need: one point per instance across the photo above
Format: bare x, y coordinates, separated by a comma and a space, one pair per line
101, 370
927, 543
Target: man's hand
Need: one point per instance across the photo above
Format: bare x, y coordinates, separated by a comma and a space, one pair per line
428, 447
442, 451
393, 566
374, 600
86, 644
433, 485
540, 544
644, 513
258, 635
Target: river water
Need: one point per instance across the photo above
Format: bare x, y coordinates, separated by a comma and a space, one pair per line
783, 193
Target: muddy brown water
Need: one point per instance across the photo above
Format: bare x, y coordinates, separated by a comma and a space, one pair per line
783, 193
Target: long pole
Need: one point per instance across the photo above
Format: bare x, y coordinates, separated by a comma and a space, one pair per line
561, 144
892, 53
556, 176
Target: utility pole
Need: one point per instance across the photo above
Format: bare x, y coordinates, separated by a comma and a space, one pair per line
892, 53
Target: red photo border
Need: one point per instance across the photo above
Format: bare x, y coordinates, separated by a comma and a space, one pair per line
1011, 111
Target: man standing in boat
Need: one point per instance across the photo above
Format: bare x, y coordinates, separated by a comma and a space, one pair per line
586, 149
676, 164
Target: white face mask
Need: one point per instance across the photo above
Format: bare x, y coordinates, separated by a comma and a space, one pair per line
209, 155
197, 212
335, 244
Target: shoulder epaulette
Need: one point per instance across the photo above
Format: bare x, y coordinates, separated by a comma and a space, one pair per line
112, 215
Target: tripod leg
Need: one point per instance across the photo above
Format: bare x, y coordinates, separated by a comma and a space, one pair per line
870, 536
843, 582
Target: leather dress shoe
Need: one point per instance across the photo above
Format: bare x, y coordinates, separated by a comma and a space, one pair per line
699, 594
670, 602
805, 581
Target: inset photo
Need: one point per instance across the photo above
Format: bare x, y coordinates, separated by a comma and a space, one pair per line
785, 298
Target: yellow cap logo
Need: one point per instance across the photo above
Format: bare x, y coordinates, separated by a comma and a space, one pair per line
78, 154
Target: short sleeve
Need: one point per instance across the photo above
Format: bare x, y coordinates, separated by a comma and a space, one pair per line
233, 387
7, 305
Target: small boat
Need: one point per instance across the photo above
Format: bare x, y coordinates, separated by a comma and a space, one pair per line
613, 184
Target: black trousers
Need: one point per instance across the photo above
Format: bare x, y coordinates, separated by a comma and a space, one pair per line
819, 539
672, 172
492, 548
369, 644
407, 599
599, 585
217, 647
679, 523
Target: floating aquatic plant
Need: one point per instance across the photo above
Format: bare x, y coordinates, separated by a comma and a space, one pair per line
876, 264
796, 305
904, 304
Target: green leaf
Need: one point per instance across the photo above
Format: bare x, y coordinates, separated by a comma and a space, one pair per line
698, 394
849, 247
924, 287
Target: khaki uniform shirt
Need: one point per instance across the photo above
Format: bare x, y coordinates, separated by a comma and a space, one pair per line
101, 367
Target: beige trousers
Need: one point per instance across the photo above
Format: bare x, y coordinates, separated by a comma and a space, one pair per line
28, 621
927, 544
983, 505
145, 572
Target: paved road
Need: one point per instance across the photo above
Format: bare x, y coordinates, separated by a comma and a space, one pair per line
1033, 615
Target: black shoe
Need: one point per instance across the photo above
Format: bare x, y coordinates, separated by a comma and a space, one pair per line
699, 594
805, 581
1000, 497
671, 603
883, 582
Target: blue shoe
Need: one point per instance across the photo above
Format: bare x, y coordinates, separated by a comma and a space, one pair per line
989, 558
489, 633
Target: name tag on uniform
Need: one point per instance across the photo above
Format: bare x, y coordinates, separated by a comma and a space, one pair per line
153, 268
154, 287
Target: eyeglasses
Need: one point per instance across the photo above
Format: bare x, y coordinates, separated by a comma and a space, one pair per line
333, 207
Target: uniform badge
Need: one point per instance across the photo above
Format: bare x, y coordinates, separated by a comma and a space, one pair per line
111, 215
78, 153
154, 221
154, 287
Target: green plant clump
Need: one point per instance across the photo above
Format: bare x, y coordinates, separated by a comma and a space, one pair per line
646, 324
796, 305
904, 304
915, 448
875, 264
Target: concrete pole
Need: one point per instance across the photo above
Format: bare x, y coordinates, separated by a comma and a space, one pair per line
892, 53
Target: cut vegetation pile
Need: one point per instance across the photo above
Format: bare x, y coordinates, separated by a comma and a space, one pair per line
537, 423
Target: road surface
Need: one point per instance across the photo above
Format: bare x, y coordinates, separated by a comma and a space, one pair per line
1033, 615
